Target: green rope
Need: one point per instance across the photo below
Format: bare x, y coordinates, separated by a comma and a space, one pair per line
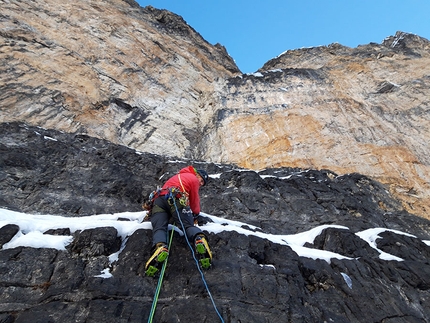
160, 281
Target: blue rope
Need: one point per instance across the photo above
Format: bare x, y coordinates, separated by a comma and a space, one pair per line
197, 263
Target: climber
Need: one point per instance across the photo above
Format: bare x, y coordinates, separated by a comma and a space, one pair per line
178, 199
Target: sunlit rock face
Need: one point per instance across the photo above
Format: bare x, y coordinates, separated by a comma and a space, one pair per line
144, 78
362, 109
109, 69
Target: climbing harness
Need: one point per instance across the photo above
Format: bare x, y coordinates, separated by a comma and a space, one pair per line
175, 192
160, 281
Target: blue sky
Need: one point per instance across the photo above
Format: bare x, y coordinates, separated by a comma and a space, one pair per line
256, 31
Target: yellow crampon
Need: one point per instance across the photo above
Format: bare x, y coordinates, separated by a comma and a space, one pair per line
203, 251
154, 263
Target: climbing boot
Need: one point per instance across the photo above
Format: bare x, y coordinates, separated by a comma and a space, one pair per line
203, 251
154, 264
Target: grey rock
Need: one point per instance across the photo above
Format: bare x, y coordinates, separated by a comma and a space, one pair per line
7, 232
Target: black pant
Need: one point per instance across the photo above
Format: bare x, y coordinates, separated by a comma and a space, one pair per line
163, 211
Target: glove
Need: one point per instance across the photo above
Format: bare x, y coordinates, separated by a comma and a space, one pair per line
195, 217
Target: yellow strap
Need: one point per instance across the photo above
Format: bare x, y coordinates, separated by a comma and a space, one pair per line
182, 186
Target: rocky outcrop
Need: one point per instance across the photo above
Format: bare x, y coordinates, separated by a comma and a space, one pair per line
345, 109
265, 282
253, 279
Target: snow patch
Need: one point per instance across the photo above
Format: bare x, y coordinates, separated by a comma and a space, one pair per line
371, 235
33, 226
347, 280
105, 274
36, 239
257, 74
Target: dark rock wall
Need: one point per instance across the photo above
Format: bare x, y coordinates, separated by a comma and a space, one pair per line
251, 280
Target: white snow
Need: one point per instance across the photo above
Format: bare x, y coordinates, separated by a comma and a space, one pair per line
268, 266
257, 74
40, 223
298, 174
371, 235
105, 273
32, 227
215, 175
37, 239
347, 279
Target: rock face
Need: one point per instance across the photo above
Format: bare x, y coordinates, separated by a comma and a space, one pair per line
108, 69
143, 78
252, 279
98, 96
345, 109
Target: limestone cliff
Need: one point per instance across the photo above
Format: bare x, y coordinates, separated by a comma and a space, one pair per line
144, 78
362, 110
110, 69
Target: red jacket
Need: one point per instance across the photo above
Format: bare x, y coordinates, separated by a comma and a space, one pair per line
191, 185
